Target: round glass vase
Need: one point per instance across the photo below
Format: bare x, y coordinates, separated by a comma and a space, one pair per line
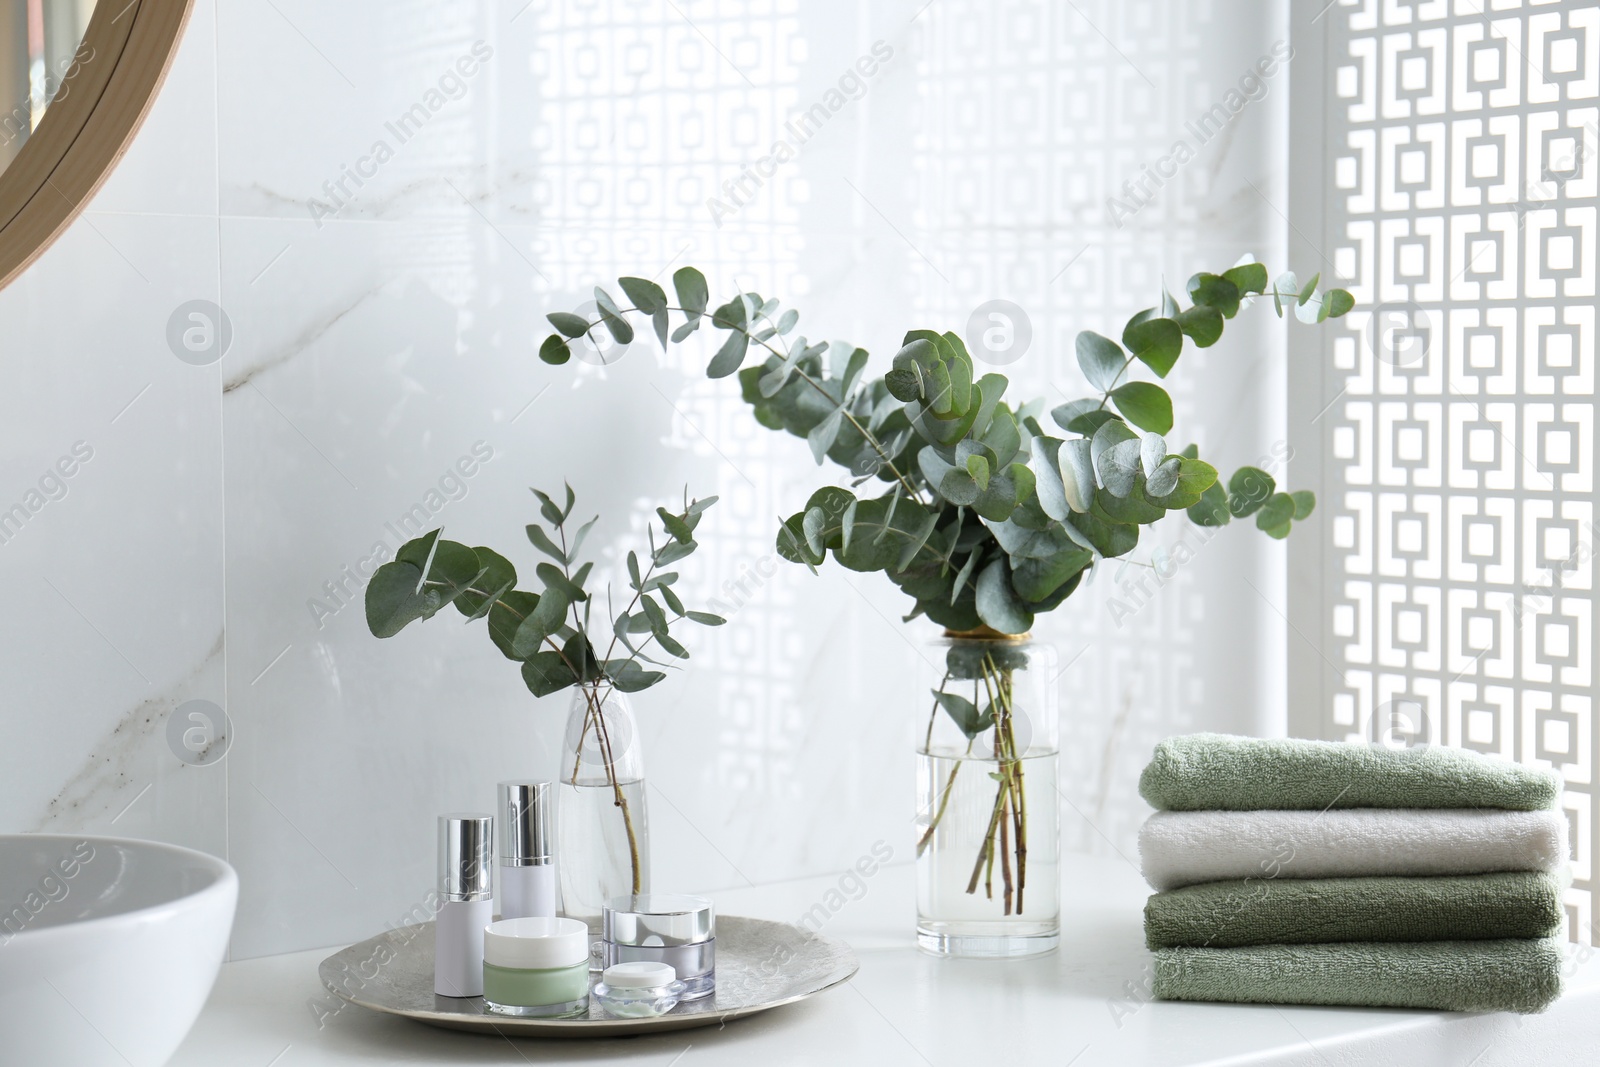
988, 814
603, 826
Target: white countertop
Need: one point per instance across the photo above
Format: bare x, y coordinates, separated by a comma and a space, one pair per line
904, 1007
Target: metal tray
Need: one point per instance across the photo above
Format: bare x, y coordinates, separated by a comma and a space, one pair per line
760, 965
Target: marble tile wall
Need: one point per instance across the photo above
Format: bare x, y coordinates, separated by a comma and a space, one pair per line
385, 200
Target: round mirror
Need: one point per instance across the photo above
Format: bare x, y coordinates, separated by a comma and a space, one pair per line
76, 78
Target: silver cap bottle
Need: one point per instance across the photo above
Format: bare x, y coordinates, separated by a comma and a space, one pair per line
466, 855
527, 824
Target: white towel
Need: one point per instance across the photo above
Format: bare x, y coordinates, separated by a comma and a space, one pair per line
1183, 847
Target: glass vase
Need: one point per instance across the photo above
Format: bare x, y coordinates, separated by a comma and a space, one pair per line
602, 821
988, 815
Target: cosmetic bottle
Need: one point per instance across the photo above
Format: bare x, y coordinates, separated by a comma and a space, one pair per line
664, 928
466, 903
527, 850
536, 967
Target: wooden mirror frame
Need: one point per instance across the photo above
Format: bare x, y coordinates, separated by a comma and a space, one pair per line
104, 97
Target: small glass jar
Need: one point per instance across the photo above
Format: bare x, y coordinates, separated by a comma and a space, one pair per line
679, 931
536, 967
639, 990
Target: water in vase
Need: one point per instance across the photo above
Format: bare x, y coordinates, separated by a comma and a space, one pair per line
1013, 908
594, 858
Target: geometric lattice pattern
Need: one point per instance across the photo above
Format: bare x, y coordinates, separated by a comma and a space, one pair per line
1460, 450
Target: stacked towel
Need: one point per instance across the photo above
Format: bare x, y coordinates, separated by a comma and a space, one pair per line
1312, 872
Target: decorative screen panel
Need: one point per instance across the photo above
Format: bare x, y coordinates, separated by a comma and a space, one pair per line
1454, 155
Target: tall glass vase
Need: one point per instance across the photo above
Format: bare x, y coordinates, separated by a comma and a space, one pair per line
988, 816
604, 828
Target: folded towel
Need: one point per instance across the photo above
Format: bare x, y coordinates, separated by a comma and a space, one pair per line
1507, 975
1202, 772
1179, 848
1300, 911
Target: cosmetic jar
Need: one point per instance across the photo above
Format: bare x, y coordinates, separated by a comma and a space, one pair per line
638, 990
466, 902
527, 850
679, 931
536, 967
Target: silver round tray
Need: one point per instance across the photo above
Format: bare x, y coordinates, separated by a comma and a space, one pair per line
760, 965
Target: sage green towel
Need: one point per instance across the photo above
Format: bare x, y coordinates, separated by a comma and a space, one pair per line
1201, 772
1507, 975
1301, 911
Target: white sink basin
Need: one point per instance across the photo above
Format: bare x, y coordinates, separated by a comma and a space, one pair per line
108, 947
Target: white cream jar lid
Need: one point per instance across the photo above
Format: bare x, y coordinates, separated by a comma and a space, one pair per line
639, 975
535, 943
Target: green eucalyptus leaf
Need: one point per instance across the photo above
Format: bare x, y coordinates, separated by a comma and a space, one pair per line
670, 643
1101, 360
569, 324
705, 618
552, 578
1248, 277
1132, 509
998, 604
579, 654
496, 576
729, 356
978, 468
1145, 405
1338, 302
1152, 453
541, 540
1047, 470
616, 325
676, 526
1066, 415
1119, 467
1305, 502
392, 599
646, 295
543, 621
959, 487
1213, 290
1164, 479
1212, 508
824, 434
673, 551
963, 712
1308, 290
554, 350
690, 286
1077, 474
1202, 324
1156, 342
653, 612
629, 677
548, 509
1036, 579
1107, 436
509, 611
1277, 512
1194, 477
1110, 539
1248, 489
546, 673
963, 575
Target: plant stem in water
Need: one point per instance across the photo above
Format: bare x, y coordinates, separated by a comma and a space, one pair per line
606, 755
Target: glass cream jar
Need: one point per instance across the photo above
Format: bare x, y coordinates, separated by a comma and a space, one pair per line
679, 931
536, 967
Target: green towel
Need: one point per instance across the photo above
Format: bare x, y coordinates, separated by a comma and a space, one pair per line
1508, 975
1201, 772
1302, 911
